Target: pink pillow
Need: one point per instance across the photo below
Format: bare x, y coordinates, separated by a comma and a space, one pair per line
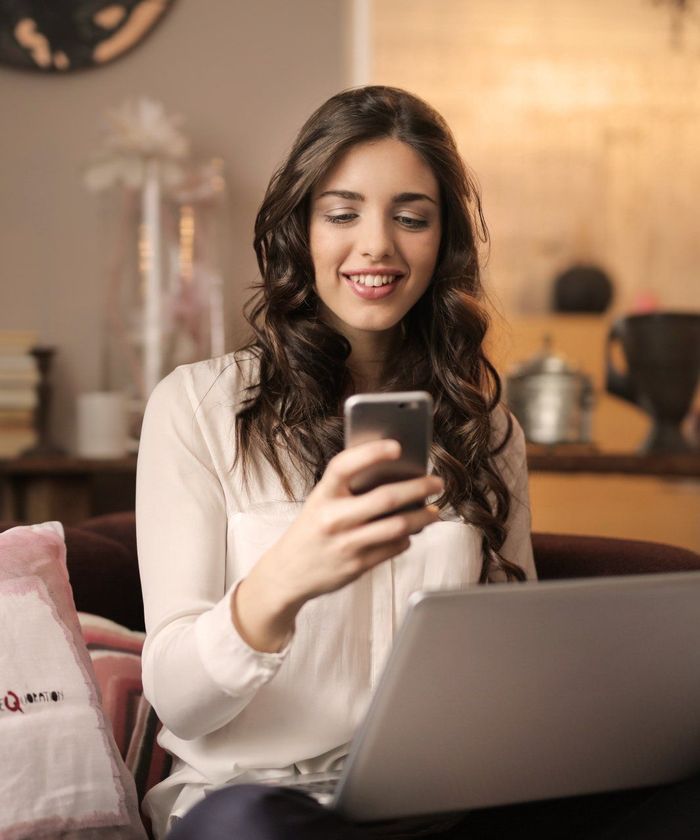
116, 657
67, 774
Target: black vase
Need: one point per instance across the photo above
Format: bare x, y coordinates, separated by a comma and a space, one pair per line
663, 358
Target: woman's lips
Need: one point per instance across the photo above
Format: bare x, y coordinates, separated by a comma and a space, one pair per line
373, 292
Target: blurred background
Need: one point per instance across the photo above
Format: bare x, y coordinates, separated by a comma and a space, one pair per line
138, 140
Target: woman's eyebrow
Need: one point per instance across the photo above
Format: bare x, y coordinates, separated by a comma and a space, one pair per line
401, 198
405, 197
346, 194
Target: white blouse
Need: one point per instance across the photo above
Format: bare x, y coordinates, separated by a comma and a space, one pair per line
228, 711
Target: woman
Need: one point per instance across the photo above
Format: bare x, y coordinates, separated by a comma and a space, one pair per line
272, 593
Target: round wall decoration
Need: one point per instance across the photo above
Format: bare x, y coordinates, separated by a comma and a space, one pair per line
57, 36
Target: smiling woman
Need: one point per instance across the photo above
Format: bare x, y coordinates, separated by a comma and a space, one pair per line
374, 236
266, 579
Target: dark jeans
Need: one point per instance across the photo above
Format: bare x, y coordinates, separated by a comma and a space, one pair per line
261, 812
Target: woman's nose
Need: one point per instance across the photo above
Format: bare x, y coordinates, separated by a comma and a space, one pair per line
377, 241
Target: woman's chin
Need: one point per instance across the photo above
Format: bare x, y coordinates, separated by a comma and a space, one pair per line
378, 326
354, 324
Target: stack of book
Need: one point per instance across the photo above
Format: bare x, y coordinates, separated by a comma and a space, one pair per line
18, 392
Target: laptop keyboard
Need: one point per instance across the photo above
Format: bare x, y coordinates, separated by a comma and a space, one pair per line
320, 786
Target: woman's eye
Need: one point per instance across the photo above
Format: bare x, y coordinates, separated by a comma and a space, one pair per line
341, 218
411, 222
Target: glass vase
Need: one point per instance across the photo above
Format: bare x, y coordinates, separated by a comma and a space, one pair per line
165, 293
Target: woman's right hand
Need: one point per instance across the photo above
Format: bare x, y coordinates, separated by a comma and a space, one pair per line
335, 540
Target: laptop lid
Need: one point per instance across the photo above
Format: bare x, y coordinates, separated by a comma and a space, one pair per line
509, 693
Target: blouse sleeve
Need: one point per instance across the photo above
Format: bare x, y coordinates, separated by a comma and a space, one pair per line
512, 462
198, 673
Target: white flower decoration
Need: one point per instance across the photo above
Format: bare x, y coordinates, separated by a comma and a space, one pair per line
137, 132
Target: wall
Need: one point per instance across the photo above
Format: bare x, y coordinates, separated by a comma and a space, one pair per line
243, 75
582, 122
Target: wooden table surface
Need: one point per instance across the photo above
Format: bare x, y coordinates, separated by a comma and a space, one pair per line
66, 465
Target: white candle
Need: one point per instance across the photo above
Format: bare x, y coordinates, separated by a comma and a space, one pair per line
102, 424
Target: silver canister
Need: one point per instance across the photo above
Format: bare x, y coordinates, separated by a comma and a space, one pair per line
552, 401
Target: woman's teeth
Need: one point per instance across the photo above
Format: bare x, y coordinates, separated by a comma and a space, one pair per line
374, 279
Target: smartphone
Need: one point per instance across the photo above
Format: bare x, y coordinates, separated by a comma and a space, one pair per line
406, 416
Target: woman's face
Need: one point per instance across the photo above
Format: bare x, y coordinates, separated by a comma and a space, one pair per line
374, 236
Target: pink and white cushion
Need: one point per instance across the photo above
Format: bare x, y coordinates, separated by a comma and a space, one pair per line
64, 774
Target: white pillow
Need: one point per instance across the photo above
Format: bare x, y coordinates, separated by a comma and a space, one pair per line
63, 775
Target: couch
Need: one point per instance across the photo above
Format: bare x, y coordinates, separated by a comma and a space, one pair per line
103, 569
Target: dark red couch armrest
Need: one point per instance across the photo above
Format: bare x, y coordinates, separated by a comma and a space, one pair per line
104, 575
567, 556
104, 570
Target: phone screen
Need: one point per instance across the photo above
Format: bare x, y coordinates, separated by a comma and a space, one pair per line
406, 416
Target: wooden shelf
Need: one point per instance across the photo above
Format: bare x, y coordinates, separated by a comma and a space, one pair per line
561, 459
66, 465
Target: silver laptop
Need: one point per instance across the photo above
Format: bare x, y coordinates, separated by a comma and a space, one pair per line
510, 693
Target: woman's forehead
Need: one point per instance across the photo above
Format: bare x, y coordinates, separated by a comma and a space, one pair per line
387, 166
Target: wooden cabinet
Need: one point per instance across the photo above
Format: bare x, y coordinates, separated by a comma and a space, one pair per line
617, 495
64, 488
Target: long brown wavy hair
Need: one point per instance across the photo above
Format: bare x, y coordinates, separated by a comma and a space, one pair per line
303, 375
